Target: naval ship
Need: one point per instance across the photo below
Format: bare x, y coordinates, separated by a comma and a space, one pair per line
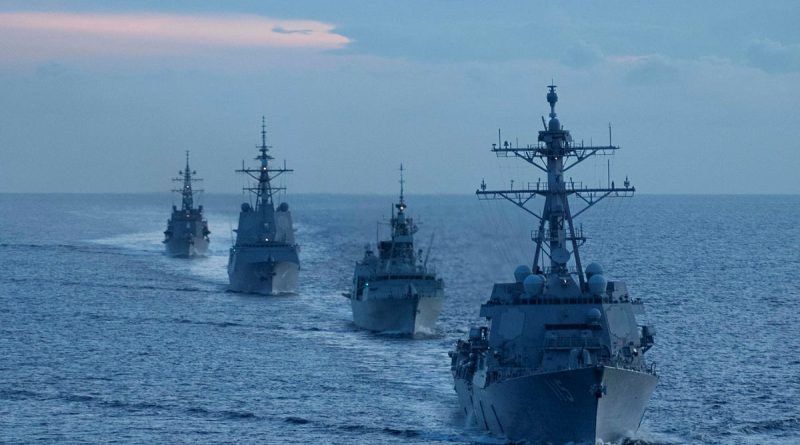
263, 259
562, 359
395, 291
187, 232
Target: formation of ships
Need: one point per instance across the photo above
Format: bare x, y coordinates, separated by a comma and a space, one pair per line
561, 357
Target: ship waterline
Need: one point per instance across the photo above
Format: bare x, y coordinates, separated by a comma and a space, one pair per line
183, 248
584, 405
405, 315
249, 272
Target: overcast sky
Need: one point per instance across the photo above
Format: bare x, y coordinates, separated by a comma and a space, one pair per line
105, 96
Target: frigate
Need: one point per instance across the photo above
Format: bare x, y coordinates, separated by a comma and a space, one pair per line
264, 258
396, 291
562, 358
187, 232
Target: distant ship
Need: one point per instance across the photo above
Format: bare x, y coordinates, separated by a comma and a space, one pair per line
395, 291
187, 232
264, 258
563, 357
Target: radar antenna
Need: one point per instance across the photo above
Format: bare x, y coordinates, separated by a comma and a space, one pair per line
402, 205
555, 153
186, 191
264, 174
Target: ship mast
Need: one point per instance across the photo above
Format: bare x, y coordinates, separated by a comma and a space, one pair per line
186, 190
402, 205
264, 190
401, 226
554, 154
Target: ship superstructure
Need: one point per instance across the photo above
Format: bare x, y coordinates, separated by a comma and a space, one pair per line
396, 291
264, 258
187, 232
562, 359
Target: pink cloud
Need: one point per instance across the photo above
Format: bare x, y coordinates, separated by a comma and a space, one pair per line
626, 58
44, 34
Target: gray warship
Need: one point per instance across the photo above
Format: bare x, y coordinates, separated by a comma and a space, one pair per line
263, 259
187, 232
395, 291
562, 359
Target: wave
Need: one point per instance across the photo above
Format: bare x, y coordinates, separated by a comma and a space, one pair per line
771, 426
94, 285
297, 420
19, 394
221, 414
398, 432
219, 324
79, 398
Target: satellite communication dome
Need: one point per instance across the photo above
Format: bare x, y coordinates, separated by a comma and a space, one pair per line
597, 284
283, 207
593, 269
533, 285
593, 315
521, 272
245, 207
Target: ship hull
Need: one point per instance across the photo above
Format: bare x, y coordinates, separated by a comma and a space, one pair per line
263, 271
186, 235
562, 406
409, 315
187, 248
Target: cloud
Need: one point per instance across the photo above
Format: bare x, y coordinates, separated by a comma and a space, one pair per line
772, 56
649, 70
582, 55
46, 34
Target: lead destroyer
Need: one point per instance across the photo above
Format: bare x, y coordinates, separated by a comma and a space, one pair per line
395, 291
187, 232
563, 357
264, 258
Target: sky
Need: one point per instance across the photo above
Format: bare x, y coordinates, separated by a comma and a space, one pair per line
106, 96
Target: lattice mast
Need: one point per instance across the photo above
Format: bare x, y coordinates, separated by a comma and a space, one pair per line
555, 153
187, 194
264, 175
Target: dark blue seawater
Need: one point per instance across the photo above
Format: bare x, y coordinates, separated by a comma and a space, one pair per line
104, 339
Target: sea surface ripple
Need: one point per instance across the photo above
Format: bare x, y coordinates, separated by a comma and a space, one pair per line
104, 339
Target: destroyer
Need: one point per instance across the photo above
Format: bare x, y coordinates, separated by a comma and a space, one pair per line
563, 357
187, 232
264, 257
395, 291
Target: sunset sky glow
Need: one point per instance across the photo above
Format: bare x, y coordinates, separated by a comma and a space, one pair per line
696, 93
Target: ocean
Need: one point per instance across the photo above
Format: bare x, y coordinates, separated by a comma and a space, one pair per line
104, 339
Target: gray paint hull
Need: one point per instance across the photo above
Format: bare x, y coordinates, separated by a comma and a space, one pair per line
410, 315
187, 247
263, 270
562, 406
